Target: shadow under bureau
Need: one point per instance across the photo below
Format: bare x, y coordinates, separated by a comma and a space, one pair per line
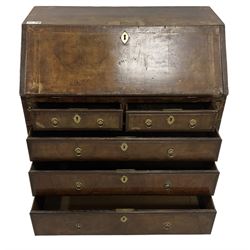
123, 106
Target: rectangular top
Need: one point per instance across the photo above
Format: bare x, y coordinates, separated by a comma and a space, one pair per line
118, 16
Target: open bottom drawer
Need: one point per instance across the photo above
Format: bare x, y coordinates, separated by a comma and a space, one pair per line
76, 178
66, 215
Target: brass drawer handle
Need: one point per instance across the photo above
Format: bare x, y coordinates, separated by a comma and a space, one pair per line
54, 122
78, 151
78, 185
100, 122
78, 226
124, 146
192, 123
167, 225
124, 219
77, 118
171, 120
167, 185
171, 152
148, 123
124, 179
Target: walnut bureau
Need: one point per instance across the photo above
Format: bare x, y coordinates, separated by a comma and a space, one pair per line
123, 107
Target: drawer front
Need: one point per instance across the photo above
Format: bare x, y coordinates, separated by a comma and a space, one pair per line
55, 119
127, 148
190, 220
171, 121
75, 182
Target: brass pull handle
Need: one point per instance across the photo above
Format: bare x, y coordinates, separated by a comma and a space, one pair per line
124, 179
148, 123
167, 225
192, 123
171, 120
77, 118
54, 122
78, 151
78, 185
78, 226
167, 185
171, 152
100, 122
124, 219
124, 146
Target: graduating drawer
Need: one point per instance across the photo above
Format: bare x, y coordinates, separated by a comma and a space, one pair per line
193, 178
188, 117
123, 214
73, 119
68, 146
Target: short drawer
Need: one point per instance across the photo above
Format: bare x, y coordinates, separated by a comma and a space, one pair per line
63, 146
125, 214
189, 178
171, 117
76, 119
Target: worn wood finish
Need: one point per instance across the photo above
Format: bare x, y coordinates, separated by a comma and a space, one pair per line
75, 58
123, 127
110, 215
121, 178
124, 148
171, 120
76, 119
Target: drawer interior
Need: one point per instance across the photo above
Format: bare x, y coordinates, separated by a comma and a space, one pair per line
114, 166
123, 135
170, 106
114, 202
76, 105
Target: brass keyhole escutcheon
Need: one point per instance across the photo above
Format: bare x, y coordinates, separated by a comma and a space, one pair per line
29, 108
192, 123
78, 226
54, 122
124, 179
171, 152
78, 185
124, 219
124, 37
171, 120
100, 122
77, 118
167, 225
78, 151
124, 146
148, 123
167, 185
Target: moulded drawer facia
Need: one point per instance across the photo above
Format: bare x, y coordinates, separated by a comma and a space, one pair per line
73, 119
123, 148
69, 215
85, 178
188, 120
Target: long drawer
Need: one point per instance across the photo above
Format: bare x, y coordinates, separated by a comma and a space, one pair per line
188, 178
125, 214
52, 147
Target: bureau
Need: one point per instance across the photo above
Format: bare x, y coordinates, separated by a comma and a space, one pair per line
123, 106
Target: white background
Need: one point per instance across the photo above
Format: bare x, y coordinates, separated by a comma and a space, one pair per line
232, 225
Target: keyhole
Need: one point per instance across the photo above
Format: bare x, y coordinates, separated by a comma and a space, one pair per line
124, 37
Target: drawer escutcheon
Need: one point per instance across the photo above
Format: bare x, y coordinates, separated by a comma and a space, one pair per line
124, 219
170, 120
78, 185
167, 225
77, 118
124, 179
148, 123
54, 122
78, 151
100, 122
124, 146
171, 152
167, 185
192, 123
